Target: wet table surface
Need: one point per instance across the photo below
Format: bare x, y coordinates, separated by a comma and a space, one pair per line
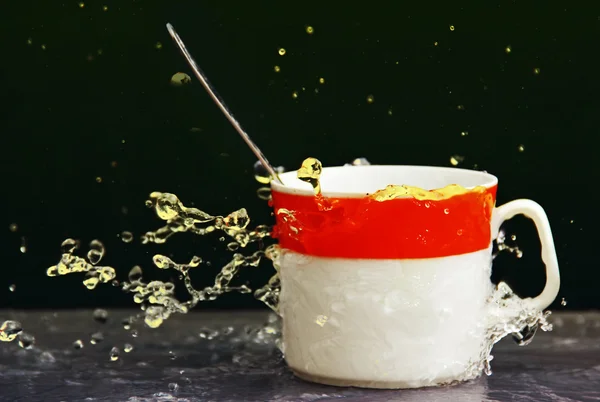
231, 356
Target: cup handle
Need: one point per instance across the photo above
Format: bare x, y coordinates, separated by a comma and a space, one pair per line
535, 212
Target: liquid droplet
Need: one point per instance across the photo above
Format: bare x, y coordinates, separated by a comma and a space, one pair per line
179, 79
9, 330
295, 95
96, 252
264, 193
23, 248
126, 322
321, 80
78, 344
277, 69
13, 227
173, 387
81, 4
521, 148
359, 162
461, 107
321, 320
26, 341
261, 174
459, 232
172, 355
12, 287
563, 302
114, 354
126, 236
525, 336
47, 358
208, 334
96, 338
281, 51
536, 71
69, 246
507, 49
310, 30
452, 27
456, 159
464, 133
135, 275
310, 172
154, 316
127, 348
98, 179
100, 315
446, 211
370, 99
158, 45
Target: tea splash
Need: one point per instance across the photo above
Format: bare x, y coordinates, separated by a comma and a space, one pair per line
156, 298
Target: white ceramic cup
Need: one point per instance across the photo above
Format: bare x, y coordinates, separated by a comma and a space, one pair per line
396, 293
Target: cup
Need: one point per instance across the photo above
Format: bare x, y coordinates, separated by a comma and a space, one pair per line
393, 293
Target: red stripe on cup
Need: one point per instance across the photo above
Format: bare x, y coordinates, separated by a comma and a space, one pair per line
393, 229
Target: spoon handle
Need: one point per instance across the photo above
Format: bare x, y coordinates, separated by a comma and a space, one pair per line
202, 77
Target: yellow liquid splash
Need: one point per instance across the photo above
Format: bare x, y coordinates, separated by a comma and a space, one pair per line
157, 298
310, 172
400, 191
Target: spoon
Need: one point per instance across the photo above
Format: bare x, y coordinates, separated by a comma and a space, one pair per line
202, 77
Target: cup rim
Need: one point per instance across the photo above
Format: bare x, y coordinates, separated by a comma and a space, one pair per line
296, 187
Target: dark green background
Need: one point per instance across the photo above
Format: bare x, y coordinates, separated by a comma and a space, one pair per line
67, 112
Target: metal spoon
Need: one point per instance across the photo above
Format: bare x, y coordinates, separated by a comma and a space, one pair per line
202, 77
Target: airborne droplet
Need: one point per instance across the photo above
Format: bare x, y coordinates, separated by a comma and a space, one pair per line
179, 79
26, 341
126, 236
114, 354
96, 252
96, 338
101, 315
69, 246
456, 159
135, 274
